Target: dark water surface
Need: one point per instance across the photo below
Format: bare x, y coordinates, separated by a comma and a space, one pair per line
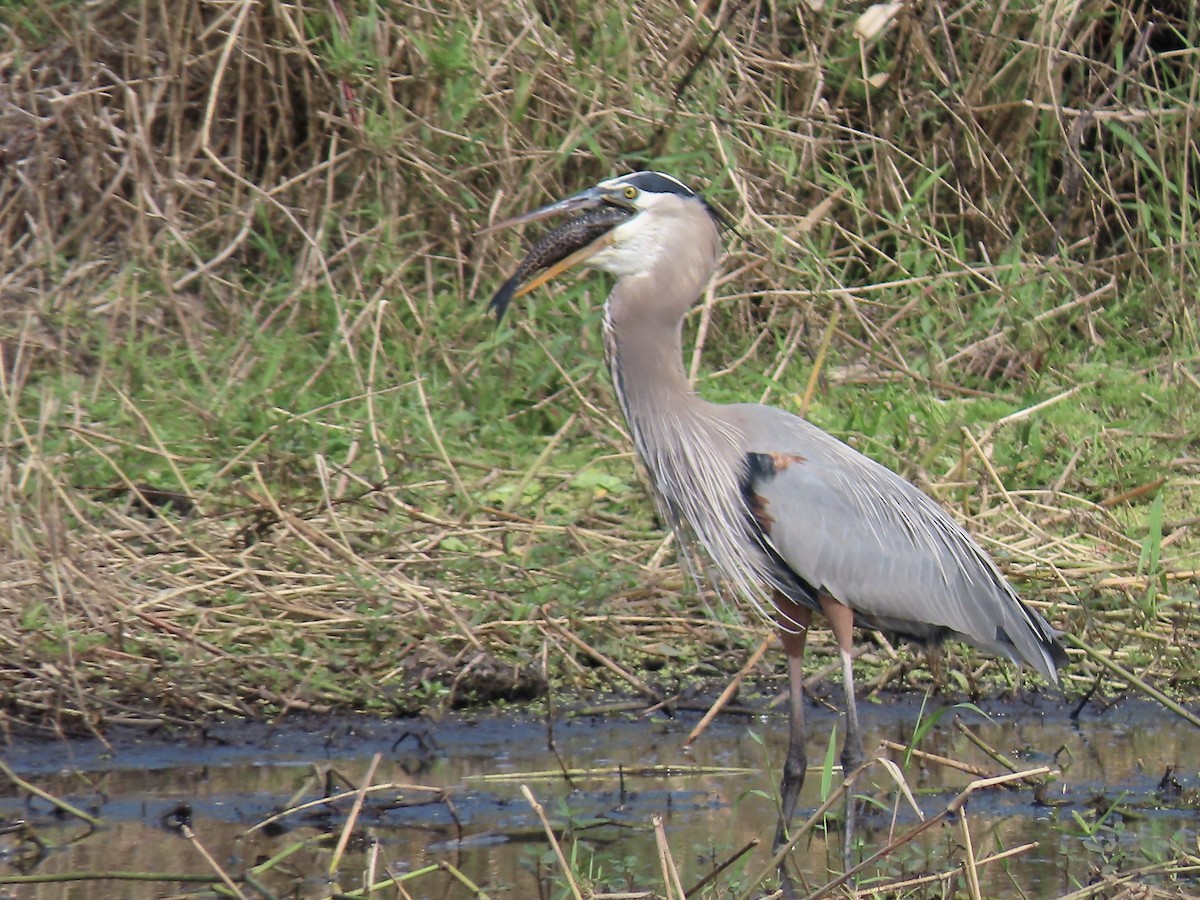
455, 797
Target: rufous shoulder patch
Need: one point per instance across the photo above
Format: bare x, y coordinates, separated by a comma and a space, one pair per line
782, 460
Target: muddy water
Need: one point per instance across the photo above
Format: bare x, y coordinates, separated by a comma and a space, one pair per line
455, 798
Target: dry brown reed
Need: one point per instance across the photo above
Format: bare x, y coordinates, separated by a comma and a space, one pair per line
148, 151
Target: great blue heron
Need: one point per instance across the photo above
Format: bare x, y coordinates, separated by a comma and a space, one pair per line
790, 516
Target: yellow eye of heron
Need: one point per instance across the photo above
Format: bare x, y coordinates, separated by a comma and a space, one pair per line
630, 192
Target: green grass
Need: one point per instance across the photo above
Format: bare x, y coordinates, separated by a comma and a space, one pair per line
381, 501
283, 412
314, 369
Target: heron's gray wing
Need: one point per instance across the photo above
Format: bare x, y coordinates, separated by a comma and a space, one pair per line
850, 526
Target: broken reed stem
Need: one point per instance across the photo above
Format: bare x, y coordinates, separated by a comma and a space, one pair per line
817, 816
476, 891
372, 867
56, 802
969, 864
722, 866
359, 796
562, 859
671, 882
1133, 493
730, 690
286, 853
894, 888
1128, 676
814, 375
989, 749
599, 657
1105, 887
451, 610
436, 434
221, 873
394, 880
945, 761
951, 808
511, 501
86, 875
436, 793
658, 770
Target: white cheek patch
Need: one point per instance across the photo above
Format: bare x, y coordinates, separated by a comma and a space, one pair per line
636, 244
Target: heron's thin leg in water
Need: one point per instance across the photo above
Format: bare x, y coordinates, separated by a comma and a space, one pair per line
841, 622
793, 632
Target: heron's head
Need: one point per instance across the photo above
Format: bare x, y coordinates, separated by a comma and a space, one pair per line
625, 226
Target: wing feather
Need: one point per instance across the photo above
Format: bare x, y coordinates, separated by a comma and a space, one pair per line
848, 525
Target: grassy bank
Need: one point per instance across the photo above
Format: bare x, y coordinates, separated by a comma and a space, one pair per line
264, 452
261, 451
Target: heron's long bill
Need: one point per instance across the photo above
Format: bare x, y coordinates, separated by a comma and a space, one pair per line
579, 201
558, 250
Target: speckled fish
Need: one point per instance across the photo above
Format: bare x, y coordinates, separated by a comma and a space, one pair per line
557, 250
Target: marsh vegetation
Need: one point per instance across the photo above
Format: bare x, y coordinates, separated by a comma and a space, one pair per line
263, 455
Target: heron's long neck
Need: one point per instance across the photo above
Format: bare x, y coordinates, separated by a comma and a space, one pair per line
691, 450
643, 325
645, 357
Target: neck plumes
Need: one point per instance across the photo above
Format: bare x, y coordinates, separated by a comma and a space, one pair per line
689, 447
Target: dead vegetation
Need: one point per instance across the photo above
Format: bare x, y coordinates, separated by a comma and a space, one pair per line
261, 455
179, 185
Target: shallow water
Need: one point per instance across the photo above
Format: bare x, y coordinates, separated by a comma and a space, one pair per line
448, 801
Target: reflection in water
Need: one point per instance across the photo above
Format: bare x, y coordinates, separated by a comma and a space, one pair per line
713, 799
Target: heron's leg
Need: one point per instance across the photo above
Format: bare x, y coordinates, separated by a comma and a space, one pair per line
793, 631
841, 622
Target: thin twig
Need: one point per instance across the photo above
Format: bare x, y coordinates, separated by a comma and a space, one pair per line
599, 657
671, 882
562, 859
57, 802
221, 873
951, 808
348, 829
730, 690
1128, 676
